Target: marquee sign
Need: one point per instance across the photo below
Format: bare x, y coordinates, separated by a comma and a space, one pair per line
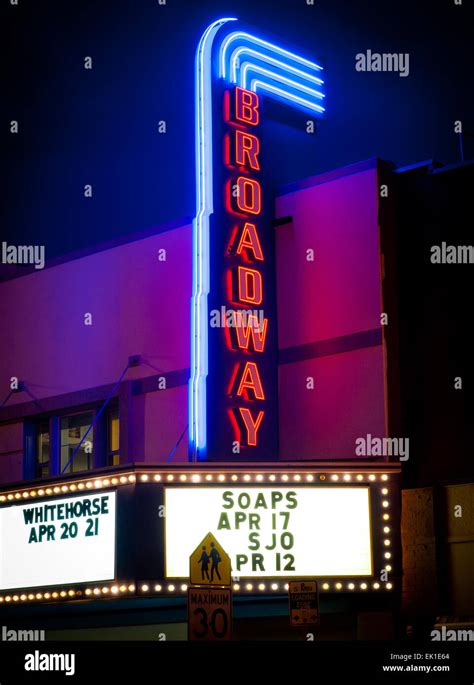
272, 532
129, 530
54, 542
233, 386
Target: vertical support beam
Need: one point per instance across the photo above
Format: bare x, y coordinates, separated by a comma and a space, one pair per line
125, 416
388, 270
30, 449
100, 438
443, 572
55, 446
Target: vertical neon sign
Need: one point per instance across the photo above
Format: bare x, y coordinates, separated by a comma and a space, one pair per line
249, 333
233, 242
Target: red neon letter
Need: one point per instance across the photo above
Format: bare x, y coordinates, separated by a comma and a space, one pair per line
247, 147
246, 106
251, 330
249, 286
249, 241
251, 426
248, 197
251, 381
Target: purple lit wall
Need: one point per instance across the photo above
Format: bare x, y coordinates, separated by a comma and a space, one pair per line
139, 306
328, 329
329, 315
135, 305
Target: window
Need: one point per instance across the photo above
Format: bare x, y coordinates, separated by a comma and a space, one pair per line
51, 441
42, 468
113, 438
72, 429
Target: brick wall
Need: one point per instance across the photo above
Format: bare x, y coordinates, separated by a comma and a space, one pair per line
419, 586
438, 552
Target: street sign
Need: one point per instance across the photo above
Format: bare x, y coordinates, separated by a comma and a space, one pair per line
304, 602
209, 564
209, 613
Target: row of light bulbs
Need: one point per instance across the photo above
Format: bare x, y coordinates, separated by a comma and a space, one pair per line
69, 594
274, 587
386, 530
247, 477
97, 483
124, 589
192, 478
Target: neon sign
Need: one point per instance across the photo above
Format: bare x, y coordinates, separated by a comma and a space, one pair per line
233, 386
242, 108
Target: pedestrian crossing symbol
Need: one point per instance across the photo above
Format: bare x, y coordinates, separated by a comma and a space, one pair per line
209, 563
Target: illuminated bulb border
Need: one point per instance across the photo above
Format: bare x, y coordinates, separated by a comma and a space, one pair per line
243, 586
175, 476
149, 477
95, 592
268, 585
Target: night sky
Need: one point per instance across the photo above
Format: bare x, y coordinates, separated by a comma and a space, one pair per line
99, 126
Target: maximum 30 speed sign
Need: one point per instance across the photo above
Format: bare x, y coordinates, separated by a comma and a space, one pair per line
209, 613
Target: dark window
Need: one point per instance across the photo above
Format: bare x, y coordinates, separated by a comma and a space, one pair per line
73, 429
42, 467
113, 438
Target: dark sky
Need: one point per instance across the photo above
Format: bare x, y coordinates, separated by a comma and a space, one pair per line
99, 126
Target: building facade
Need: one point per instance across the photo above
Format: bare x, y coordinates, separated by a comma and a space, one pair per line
95, 369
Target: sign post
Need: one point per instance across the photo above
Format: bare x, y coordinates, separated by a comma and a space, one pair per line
304, 602
209, 595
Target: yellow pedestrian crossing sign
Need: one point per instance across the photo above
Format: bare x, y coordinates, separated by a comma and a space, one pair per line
209, 564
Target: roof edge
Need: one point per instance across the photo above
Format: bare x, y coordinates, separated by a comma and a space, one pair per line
93, 249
